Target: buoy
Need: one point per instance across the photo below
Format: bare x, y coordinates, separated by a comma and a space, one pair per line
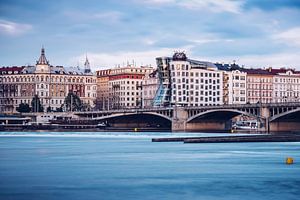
289, 161
135, 129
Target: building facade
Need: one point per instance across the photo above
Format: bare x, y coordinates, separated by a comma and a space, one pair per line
234, 87
259, 86
124, 86
51, 83
150, 86
286, 86
189, 82
102, 102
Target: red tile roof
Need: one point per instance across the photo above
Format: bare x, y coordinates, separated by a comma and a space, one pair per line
9, 69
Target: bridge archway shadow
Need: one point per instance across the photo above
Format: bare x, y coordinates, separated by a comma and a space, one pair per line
215, 120
142, 121
286, 122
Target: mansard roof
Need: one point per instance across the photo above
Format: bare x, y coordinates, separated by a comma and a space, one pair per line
11, 70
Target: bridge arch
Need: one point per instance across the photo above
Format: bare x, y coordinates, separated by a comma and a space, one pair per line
284, 114
131, 114
230, 114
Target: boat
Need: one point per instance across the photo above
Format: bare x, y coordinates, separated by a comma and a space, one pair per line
245, 125
102, 125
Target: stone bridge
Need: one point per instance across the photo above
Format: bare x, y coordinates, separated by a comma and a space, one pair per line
272, 117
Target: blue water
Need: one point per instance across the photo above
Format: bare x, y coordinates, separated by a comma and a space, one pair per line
129, 166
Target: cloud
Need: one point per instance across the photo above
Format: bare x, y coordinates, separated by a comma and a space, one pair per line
290, 37
270, 5
287, 59
232, 6
213, 5
13, 29
105, 60
106, 17
276, 60
112, 16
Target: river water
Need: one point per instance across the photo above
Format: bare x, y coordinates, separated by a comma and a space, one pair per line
129, 166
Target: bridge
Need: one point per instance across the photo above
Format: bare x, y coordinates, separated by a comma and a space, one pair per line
273, 117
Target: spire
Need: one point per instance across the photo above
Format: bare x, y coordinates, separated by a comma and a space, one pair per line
42, 60
87, 68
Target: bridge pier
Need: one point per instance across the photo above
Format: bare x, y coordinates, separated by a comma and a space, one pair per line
179, 119
284, 126
265, 120
209, 126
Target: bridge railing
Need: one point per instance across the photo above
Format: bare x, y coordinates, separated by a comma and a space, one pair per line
224, 106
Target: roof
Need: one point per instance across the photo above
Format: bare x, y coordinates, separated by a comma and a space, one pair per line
14, 68
257, 71
227, 67
42, 60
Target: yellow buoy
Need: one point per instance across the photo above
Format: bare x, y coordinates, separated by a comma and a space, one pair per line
135, 129
289, 161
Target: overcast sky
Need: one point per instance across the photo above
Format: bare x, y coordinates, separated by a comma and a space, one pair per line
255, 33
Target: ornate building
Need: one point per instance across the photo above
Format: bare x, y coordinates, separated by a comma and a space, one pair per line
51, 83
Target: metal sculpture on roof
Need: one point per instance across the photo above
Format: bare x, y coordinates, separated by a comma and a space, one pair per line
179, 56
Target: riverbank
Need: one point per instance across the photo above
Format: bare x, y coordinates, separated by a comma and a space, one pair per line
232, 139
80, 128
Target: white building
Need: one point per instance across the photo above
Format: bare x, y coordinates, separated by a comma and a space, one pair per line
286, 86
195, 83
235, 83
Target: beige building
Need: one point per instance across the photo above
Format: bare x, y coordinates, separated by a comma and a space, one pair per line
52, 84
124, 86
102, 101
150, 86
259, 86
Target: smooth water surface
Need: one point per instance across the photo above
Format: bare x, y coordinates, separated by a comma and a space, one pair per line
129, 166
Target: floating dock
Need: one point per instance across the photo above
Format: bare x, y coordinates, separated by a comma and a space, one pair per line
232, 139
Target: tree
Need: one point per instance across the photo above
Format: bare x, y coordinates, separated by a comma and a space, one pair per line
59, 109
49, 109
86, 107
23, 108
72, 103
36, 105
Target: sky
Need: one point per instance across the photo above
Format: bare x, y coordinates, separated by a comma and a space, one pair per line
253, 33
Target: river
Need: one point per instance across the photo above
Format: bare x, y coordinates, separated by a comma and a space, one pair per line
49, 165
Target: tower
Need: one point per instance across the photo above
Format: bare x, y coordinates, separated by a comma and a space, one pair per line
87, 68
42, 65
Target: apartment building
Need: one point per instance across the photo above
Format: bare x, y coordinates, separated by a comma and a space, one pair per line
124, 86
